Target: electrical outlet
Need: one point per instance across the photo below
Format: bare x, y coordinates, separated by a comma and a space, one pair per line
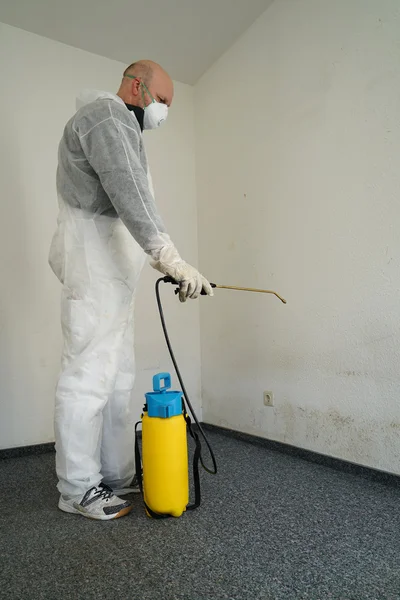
268, 399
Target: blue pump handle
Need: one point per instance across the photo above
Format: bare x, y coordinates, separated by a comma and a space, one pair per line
157, 379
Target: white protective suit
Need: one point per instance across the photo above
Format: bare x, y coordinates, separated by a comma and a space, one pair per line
107, 221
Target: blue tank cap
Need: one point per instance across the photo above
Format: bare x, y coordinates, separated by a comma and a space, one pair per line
162, 403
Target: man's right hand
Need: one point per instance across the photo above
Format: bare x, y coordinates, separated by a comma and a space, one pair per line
191, 282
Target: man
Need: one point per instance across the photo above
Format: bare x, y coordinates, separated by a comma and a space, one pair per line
108, 221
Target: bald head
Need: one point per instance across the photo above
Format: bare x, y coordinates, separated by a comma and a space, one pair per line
143, 69
144, 80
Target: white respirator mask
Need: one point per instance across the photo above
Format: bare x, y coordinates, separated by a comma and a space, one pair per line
154, 114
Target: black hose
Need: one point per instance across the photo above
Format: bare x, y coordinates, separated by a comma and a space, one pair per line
212, 471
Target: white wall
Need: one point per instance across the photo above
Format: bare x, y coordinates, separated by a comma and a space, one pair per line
298, 145
39, 81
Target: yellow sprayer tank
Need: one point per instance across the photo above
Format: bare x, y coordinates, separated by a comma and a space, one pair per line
164, 450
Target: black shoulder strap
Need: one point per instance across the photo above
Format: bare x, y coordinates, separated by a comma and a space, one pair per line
196, 474
196, 460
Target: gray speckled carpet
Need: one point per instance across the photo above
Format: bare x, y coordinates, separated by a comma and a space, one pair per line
271, 527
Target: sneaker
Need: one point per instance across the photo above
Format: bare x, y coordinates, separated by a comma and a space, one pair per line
98, 503
132, 488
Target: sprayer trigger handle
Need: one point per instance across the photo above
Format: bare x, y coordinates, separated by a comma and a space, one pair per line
168, 279
203, 293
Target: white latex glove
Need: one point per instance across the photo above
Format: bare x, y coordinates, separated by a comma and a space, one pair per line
191, 282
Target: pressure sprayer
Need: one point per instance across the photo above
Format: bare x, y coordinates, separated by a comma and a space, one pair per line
162, 470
